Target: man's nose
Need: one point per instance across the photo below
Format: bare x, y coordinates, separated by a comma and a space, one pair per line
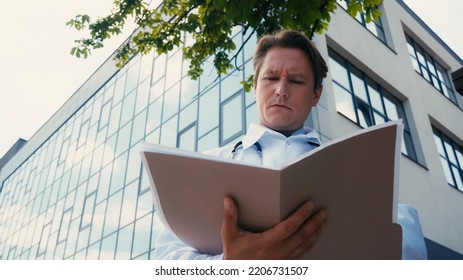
282, 88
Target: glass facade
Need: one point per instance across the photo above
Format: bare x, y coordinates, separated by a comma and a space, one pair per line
364, 101
425, 65
451, 157
82, 194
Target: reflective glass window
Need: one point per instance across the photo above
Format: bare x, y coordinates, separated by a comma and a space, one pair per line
145, 202
209, 141
188, 115
169, 132
375, 27
139, 127
363, 101
174, 69
451, 157
231, 84
189, 91
251, 115
82, 241
159, 68
430, 69
132, 75
154, 115
344, 102
108, 247
128, 108
143, 95
208, 111
133, 165
142, 236
358, 85
157, 90
98, 221
118, 174
171, 102
146, 66
113, 210
187, 138
87, 213
339, 72
124, 243
123, 139
232, 117
209, 76
129, 204
119, 88
114, 119
93, 252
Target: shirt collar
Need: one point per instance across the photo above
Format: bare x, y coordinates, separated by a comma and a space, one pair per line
257, 131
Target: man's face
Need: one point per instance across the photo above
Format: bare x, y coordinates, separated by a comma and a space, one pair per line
285, 89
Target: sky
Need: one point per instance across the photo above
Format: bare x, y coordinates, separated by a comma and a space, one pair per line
38, 74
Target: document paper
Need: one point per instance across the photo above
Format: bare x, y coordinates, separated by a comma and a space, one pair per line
354, 178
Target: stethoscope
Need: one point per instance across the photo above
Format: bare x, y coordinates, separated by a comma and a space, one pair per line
259, 148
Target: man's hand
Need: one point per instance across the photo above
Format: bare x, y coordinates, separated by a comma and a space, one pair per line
289, 239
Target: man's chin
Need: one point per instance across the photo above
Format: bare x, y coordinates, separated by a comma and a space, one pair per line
282, 128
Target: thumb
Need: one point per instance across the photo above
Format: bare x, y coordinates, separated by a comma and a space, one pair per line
230, 218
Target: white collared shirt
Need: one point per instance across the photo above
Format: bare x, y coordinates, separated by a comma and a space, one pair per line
277, 150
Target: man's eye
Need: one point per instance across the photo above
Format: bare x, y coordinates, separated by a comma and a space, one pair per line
298, 82
271, 78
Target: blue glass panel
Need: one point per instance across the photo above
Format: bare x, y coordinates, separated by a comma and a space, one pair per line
188, 115
232, 117
124, 243
142, 236
113, 211
129, 204
208, 111
344, 103
96, 232
108, 247
209, 141
187, 139
169, 132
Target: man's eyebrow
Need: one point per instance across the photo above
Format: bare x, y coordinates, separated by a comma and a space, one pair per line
270, 71
292, 75
298, 75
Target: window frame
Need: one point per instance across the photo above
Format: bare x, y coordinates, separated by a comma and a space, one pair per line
366, 106
444, 139
360, 18
431, 70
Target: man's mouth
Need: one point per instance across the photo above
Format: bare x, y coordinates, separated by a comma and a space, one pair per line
281, 106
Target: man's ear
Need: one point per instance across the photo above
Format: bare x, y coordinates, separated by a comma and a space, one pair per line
316, 96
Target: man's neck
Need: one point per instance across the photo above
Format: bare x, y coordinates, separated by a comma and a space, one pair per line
285, 133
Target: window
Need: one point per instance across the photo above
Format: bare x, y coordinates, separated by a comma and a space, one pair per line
232, 117
425, 65
187, 138
451, 157
375, 27
364, 101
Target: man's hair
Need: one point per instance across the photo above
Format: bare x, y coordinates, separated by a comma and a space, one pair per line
295, 40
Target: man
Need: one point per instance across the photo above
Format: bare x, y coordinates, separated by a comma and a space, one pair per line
287, 83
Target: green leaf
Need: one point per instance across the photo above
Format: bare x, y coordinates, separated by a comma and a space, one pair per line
209, 23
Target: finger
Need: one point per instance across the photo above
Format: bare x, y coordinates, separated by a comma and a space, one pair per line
291, 224
230, 219
301, 250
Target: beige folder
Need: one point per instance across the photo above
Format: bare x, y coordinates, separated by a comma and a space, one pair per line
354, 178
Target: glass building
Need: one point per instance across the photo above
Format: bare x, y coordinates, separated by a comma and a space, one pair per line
77, 189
